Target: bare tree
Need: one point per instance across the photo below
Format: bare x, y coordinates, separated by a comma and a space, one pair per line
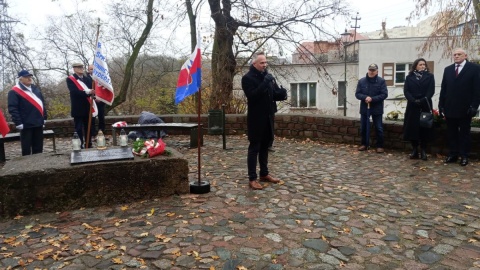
453, 26
128, 22
245, 26
69, 38
15, 55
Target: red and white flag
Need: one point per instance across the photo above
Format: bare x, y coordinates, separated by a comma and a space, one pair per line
101, 76
4, 128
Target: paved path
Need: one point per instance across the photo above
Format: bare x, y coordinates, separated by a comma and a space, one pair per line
336, 209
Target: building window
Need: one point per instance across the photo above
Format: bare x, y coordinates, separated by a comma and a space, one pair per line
303, 95
395, 73
401, 71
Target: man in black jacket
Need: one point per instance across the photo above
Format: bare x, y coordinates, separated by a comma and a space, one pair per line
80, 97
27, 108
259, 87
371, 91
458, 103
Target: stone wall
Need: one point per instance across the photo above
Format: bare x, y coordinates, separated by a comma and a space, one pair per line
315, 127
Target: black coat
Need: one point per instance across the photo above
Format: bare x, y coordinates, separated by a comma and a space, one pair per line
413, 89
80, 106
376, 88
261, 105
24, 112
458, 94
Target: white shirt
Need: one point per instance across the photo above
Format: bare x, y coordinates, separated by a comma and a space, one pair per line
460, 66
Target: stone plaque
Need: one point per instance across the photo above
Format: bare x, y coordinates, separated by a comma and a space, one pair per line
95, 155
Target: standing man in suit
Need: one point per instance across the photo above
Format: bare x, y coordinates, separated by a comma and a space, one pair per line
459, 101
27, 108
258, 86
80, 98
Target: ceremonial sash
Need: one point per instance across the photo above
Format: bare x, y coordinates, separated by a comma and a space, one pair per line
30, 97
81, 86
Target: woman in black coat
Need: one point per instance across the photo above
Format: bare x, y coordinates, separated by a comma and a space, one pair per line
418, 89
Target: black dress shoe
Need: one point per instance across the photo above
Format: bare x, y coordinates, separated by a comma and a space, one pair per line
464, 161
423, 155
451, 159
414, 154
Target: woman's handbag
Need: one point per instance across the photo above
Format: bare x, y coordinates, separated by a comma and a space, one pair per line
426, 118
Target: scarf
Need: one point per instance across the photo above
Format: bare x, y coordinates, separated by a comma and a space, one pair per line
418, 74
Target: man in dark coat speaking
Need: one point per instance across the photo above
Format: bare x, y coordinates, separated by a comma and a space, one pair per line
458, 103
259, 87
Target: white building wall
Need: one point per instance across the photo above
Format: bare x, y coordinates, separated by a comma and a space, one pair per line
326, 78
403, 50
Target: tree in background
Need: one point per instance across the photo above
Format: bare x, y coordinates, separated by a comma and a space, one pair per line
247, 26
454, 25
126, 28
152, 84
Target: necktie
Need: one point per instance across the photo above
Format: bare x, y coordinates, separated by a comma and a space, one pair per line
456, 71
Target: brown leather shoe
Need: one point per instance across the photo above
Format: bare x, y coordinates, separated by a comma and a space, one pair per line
270, 179
380, 150
255, 185
362, 148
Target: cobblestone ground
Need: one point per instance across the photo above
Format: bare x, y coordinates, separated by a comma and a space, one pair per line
335, 209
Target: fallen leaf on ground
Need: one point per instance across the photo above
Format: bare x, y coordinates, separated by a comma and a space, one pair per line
7, 255
117, 261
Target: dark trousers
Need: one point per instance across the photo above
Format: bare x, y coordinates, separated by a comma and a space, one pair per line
458, 135
81, 126
101, 116
377, 123
31, 140
258, 150
424, 135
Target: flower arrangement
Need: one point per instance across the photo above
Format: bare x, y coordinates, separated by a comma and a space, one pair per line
437, 118
393, 115
149, 148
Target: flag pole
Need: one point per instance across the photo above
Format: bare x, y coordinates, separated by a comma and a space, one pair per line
199, 130
199, 187
92, 99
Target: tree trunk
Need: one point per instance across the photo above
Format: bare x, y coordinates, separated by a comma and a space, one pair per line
129, 68
193, 22
223, 59
476, 6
